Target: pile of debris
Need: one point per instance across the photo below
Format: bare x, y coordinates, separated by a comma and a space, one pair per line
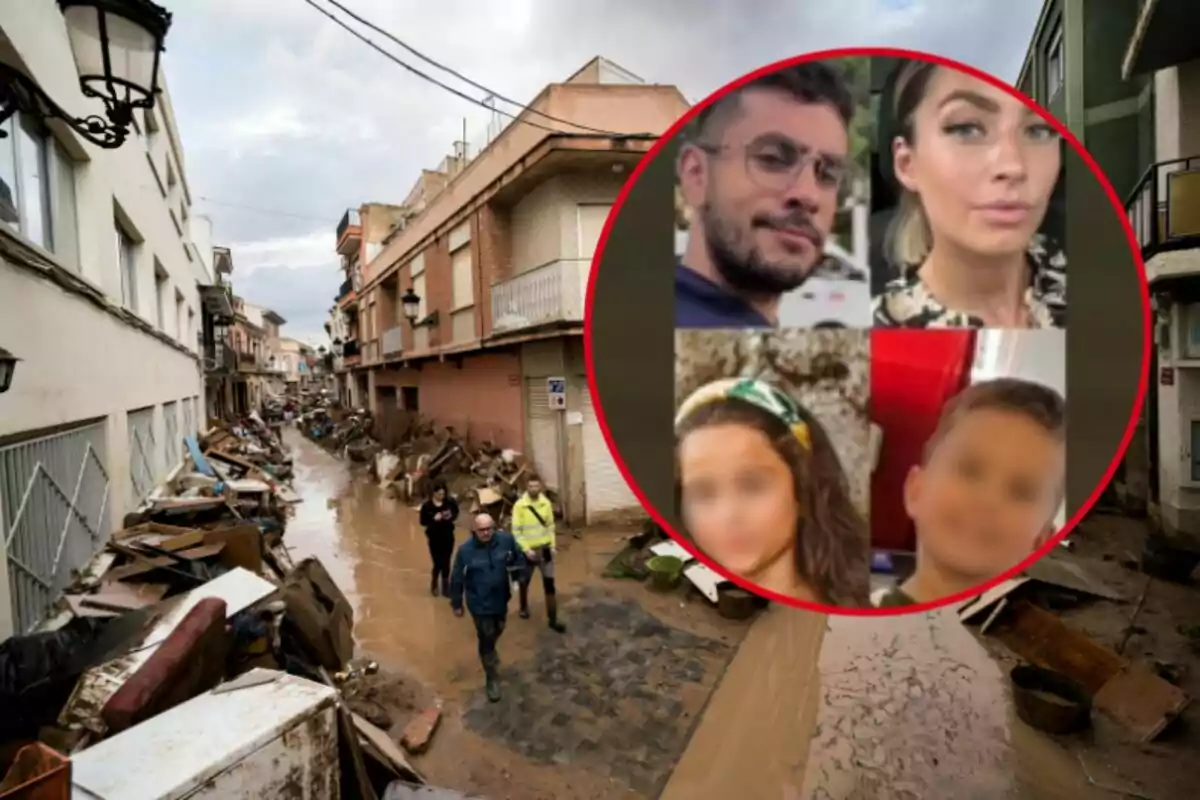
191, 654
488, 477
346, 434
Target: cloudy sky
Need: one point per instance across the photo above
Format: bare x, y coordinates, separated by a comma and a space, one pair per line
282, 111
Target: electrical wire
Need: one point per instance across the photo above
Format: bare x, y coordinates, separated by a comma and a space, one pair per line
423, 75
464, 78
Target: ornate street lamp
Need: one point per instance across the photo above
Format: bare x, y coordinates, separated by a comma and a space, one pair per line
411, 302
8, 365
117, 44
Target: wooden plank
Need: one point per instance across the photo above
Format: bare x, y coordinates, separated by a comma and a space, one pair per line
204, 551
1043, 639
243, 546
1141, 701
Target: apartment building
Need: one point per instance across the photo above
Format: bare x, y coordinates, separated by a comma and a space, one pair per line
258, 373
99, 300
1125, 77
496, 248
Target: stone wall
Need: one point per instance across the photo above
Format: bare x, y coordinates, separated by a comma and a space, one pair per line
827, 371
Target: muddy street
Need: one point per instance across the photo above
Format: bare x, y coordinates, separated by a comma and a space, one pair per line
603, 711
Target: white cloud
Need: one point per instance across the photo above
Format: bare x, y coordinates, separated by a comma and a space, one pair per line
314, 249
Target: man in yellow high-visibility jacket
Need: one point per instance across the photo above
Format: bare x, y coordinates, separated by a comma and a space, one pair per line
533, 528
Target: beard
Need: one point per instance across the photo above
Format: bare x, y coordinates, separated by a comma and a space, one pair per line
746, 270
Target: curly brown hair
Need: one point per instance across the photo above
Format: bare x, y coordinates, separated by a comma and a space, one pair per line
832, 538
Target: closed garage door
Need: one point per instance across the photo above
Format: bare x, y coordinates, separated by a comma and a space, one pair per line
543, 431
606, 489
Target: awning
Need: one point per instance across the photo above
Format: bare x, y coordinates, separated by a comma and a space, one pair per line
1165, 36
216, 300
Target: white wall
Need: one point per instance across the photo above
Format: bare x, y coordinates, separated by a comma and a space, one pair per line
545, 224
79, 361
201, 231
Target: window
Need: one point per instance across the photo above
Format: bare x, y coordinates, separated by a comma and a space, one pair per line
179, 316
419, 290
1055, 63
127, 262
37, 187
191, 328
33, 184
463, 284
160, 295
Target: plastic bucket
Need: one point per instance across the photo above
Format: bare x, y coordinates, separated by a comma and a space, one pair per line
665, 572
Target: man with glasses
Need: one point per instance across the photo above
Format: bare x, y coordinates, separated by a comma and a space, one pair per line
485, 568
761, 175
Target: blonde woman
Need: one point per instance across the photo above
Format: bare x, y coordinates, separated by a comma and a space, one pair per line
977, 168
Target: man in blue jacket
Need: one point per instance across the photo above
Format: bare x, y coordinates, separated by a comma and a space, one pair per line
485, 568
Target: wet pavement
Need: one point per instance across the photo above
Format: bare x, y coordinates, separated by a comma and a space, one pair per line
807, 707
604, 711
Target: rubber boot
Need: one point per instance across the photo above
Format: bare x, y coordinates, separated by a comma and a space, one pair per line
523, 595
491, 680
552, 613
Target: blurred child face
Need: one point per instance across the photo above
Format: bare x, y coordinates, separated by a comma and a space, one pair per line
988, 494
739, 500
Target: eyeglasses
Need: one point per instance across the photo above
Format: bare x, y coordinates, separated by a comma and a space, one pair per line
484, 530
776, 163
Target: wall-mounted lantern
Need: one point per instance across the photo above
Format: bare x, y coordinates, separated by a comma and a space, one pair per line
8, 365
117, 44
411, 302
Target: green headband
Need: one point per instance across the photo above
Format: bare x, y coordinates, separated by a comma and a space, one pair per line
755, 392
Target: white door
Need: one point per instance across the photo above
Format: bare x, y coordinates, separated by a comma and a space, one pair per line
604, 487
542, 431
592, 217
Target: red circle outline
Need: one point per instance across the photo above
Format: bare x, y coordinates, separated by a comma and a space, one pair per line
878, 52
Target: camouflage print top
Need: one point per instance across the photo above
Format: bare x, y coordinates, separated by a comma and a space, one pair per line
907, 303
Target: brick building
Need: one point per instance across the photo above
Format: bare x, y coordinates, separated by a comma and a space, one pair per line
498, 247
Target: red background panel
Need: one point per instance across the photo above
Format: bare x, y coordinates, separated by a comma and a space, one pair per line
913, 374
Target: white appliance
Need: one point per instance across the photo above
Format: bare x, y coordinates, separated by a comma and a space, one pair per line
266, 734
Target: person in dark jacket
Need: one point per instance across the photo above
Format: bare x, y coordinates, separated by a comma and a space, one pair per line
438, 514
485, 568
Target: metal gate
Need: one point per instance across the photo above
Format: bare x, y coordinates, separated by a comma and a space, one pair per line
542, 431
55, 493
143, 452
173, 436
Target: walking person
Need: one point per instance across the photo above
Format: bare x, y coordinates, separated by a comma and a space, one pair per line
484, 570
438, 514
533, 527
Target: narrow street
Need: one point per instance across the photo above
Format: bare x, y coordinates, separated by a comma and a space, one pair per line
604, 711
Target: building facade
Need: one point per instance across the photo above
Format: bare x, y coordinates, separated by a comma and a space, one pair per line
498, 247
99, 298
1125, 77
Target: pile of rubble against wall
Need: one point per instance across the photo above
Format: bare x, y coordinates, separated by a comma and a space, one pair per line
482, 476
192, 624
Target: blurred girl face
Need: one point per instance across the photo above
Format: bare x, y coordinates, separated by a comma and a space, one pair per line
983, 164
439, 495
738, 498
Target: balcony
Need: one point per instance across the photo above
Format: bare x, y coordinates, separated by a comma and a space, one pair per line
1164, 207
219, 358
349, 233
1165, 36
392, 341
370, 352
549, 294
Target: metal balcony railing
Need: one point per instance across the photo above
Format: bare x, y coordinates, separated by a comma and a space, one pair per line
348, 219
392, 341
553, 292
1164, 207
